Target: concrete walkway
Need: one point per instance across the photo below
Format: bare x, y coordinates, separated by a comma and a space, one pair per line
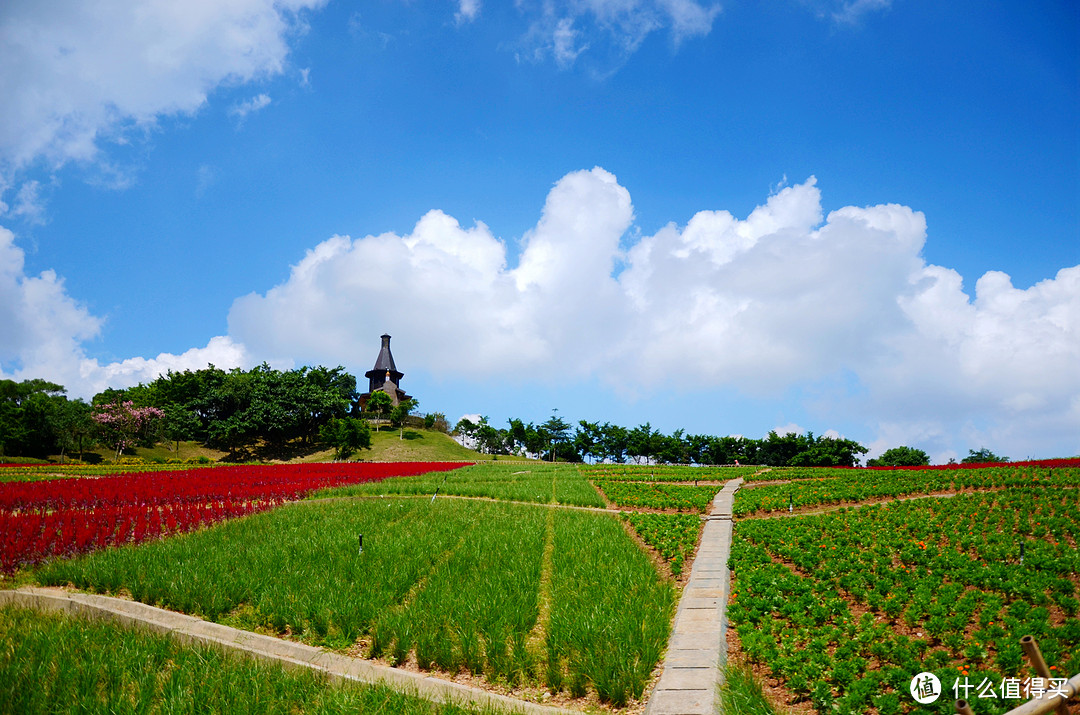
690, 681
189, 629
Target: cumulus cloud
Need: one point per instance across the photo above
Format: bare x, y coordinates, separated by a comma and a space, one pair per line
43, 329
786, 296
611, 30
77, 72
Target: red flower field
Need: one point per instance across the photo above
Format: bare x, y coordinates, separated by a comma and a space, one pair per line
64, 517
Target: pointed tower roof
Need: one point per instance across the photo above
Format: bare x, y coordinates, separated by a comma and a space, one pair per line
385, 361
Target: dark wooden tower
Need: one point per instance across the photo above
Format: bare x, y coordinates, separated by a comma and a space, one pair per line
384, 376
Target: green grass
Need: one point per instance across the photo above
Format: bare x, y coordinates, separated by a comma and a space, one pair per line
741, 694
610, 615
416, 445
526, 482
38, 472
53, 663
454, 584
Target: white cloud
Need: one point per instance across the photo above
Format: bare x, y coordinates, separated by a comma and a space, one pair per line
610, 30
782, 298
468, 10
39, 322
240, 110
75, 73
43, 329
29, 204
846, 12
850, 12
205, 177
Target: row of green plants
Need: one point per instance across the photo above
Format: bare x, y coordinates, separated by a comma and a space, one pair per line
452, 584
648, 495
814, 487
52, 663
610, 612
845, 608
674, 536
525, 482
665, 473
17, 472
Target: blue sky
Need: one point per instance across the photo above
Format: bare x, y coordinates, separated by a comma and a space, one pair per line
859, 216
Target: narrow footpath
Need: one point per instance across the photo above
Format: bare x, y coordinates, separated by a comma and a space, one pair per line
690, 681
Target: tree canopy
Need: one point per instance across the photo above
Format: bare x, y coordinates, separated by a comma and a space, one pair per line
900, 457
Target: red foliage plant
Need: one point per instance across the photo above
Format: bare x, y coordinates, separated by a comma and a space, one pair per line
64, 517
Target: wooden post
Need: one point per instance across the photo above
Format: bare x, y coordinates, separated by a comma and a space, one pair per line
963, 707
1034, 655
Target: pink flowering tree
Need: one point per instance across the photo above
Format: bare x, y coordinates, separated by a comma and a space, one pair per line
121, 423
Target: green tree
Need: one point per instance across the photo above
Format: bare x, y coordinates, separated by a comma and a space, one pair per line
555, 431
380, 404
778, 450
436, 421
74, 427
982, 456
401, 413
29, 416
346, 435
829, 452
490, 439
588, 439
178, 424
900, 457
643, 442
614, 442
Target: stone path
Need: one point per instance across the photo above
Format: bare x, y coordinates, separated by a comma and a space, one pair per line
189, 629
690, 681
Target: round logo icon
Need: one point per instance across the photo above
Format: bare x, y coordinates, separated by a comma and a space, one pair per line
925, 688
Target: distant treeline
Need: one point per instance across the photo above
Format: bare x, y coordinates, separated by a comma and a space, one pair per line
230, 410
592, 441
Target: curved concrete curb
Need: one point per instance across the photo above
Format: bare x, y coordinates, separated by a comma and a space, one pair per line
189, 629
690, 681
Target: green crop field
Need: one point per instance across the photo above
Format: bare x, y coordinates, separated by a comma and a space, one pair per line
814, 487
665, 473
51, 663
877, 576
646, 495
523, 481
579, 605
674, 536
844, 608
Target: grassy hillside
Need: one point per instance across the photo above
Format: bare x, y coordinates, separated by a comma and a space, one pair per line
414, 445
417, 445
